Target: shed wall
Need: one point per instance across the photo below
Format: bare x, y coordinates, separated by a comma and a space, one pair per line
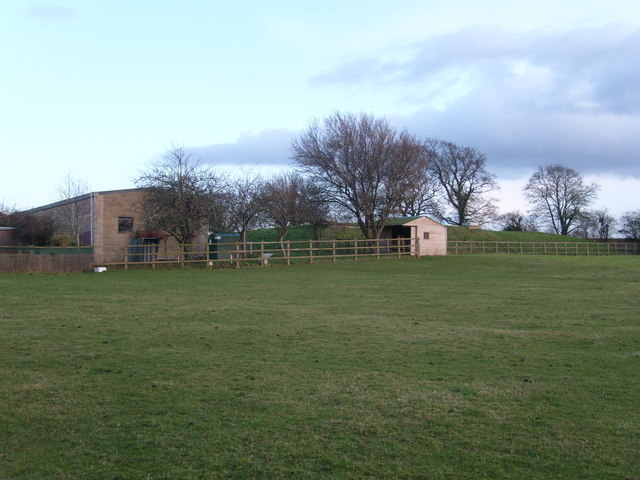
435, 244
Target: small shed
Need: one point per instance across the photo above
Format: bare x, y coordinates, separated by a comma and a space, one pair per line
431, 234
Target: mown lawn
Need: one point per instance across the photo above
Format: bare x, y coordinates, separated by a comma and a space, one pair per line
478, 367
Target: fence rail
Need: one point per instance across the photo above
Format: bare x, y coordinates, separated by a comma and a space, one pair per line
262, 253
542, 248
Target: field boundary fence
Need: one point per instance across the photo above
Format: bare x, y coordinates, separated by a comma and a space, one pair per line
260, 253
543, 248
47, 263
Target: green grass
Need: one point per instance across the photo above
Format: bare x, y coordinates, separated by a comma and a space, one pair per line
305, 232
477, 367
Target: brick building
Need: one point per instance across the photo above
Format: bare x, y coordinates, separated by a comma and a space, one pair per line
108, 221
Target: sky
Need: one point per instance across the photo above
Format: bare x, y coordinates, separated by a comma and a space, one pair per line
99, 90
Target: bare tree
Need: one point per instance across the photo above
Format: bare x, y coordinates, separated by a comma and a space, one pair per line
605, 224
517, 222
420, 198
631, 225
6, 213
584, 226
180, 195
239, 206
34, 230
72, 217
596, 224
465, 181
361, 164
318, 209
559, 194
287, 200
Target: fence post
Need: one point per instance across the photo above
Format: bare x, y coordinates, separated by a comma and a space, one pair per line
261, 259
126, 257
417, 247
288, 252
333, 250
310, 251
355, 244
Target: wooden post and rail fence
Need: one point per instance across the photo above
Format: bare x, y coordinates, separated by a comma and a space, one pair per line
70, 259
263, 253
543, 248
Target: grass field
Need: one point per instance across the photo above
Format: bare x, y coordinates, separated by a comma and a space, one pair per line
477, 367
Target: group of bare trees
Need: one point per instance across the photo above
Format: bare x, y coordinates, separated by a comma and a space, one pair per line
348, 166
371, 171
361, 165
184, 197
358, 167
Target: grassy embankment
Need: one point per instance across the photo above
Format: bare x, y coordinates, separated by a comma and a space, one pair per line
441, 368
455, 233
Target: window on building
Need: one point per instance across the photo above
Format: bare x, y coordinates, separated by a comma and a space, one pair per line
125, 224
425, 236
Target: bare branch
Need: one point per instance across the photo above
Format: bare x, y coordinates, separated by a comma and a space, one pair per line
361, 164
559, 194
72, 218
180, 194
461, 172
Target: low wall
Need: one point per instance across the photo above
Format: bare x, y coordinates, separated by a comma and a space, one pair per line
30, 263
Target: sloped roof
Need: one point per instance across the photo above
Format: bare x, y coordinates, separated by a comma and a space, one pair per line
402, 220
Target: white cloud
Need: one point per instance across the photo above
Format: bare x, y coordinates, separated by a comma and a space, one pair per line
268, 148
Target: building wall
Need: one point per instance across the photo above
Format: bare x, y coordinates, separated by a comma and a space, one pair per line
436, 244
110, 209
72, 219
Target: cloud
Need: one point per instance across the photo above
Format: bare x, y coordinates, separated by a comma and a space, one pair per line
524, 99
589, 69
268, 148
50, 12
517, 141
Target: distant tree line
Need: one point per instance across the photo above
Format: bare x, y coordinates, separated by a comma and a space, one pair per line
356, 168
